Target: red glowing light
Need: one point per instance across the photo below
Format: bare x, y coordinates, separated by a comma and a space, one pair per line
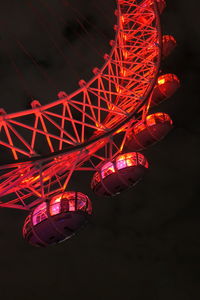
122, 19
168, 78
161, 80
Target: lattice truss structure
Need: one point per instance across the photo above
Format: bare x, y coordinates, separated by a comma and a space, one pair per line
46, 144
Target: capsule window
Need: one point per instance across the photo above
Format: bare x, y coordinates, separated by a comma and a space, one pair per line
121, 164
96, 179
107, 169
40, 213
126, 160
55, 206
139, 127
131, 159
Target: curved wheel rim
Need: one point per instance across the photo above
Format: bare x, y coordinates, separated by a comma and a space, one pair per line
140, 9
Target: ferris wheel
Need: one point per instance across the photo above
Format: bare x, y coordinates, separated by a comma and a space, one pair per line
98, 128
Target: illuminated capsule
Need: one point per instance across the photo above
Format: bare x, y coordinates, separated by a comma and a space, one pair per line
118, 175
161, 5
148, 132
54, 221
166, 86
169, 44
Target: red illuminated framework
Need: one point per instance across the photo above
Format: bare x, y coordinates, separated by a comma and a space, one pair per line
47, 144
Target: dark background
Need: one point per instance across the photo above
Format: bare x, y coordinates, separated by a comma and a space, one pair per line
143, 244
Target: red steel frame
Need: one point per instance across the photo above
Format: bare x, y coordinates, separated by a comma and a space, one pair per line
88, 126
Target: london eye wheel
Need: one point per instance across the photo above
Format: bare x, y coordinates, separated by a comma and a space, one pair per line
98, 128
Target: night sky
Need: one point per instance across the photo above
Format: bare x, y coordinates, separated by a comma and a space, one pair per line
145, 243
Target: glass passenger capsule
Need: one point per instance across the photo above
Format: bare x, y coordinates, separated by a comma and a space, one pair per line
148, 132
166, 86
116, 176
53, 221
